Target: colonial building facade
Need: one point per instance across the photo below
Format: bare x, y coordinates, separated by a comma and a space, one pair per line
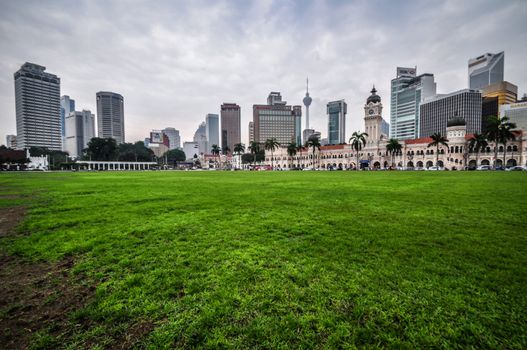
414, 153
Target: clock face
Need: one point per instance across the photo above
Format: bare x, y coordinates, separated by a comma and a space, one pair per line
370, 111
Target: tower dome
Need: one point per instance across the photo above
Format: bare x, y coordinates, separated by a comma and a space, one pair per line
374, 98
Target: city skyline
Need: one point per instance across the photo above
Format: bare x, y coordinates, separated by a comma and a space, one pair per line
167, 77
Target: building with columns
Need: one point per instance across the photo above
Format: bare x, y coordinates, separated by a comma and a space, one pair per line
414, 154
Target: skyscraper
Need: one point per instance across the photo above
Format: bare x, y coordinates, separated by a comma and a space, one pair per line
11, 141
276, 120
200, 137
230, 125
337, 111
67, 106
408, 91
37, 99
485, 70
436, 111
212, 130
80, 129
174, 140
110, 115
251, 132
506, 92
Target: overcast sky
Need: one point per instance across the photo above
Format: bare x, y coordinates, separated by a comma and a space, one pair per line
176, 61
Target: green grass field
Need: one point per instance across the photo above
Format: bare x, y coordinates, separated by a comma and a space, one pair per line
284, 259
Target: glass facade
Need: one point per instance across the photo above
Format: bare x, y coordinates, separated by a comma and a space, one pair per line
336, 111
485, 70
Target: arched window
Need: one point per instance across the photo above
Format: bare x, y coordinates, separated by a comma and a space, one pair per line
500, 149
515, 148
509, 149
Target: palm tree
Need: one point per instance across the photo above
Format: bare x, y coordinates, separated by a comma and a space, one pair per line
226, 150
393, 147
438, 140
271, 145
254, 147
215, 151
358, 140
314, 143
499, 130
239, 148
291, 149
477, 143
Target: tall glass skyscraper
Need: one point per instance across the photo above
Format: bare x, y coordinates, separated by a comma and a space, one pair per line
276, 120
485, 70
212, 130
408, 92
110, 115
80, 129
37, 99
337, 111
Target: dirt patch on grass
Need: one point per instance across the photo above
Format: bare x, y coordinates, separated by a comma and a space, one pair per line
9, 219
34, 296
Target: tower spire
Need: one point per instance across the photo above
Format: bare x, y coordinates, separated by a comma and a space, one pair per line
307, 85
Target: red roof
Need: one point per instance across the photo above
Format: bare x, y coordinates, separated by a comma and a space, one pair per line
419, 140
332, 147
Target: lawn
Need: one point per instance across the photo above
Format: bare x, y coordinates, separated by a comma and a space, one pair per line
280, 260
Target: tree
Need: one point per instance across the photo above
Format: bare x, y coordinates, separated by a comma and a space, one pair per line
226, 150
216, 151
254, 147
358, 140
239, 148
175, 155
477, 143
393, 147
313, 143
134, 152
499, 130
438, 140
271, 145
102, 149
291, 149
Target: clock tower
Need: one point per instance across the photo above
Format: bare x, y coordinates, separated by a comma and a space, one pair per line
373, 118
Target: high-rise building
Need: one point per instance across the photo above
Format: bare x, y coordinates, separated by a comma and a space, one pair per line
337, 111
230, 125
251, 132
174, 140
276, 120
200, 137
489, 107
436, 111
67, 106
80, 129
307, 102
297, 112
506, 92
485, 70
212, 130
37, 100
408, 91
517, 114
110, 116
11, 141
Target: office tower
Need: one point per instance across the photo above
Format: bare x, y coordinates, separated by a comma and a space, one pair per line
37, 100
297, 112
408, 91
67, 106
436, 111
385, 128
251, 132
310, 133
174, 140
485, 70
212, 130
337, 111
506, 92
80, 129
110, 116
517, 113
489, 107
191, 149
200, 137
11, 141
275, 120
230, 125
307, 102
